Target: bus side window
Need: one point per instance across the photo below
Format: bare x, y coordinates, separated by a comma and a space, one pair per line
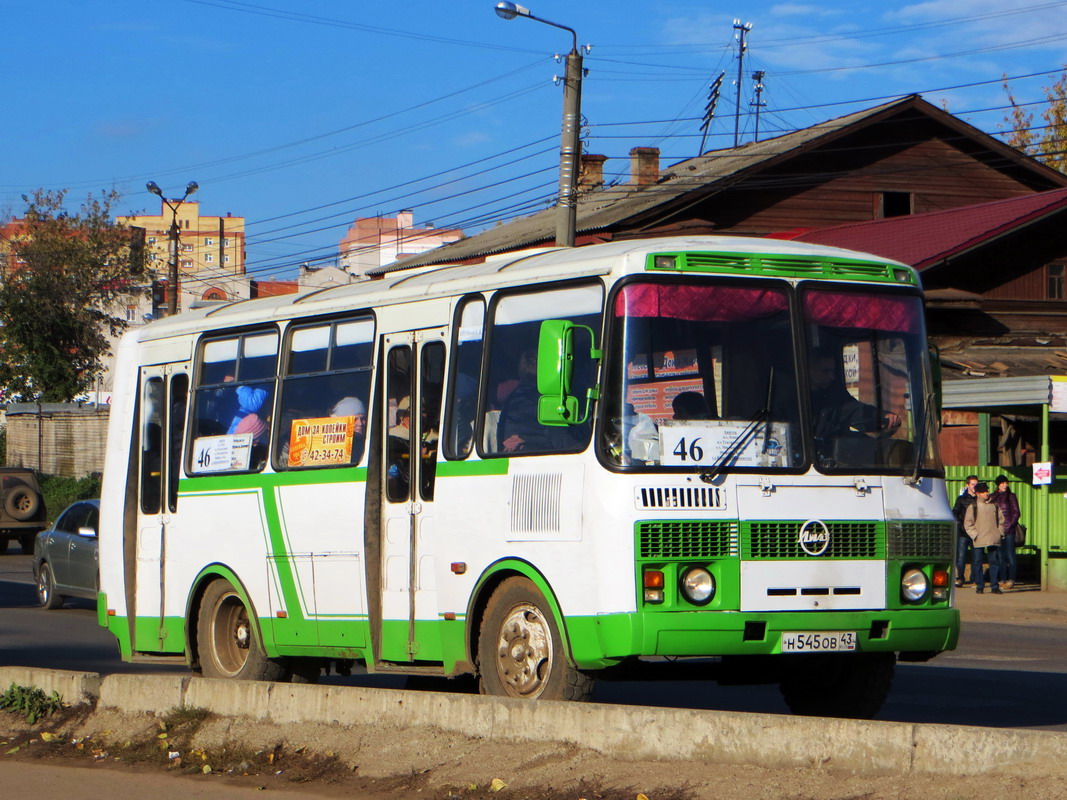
233, 403
467, 347
325, 382
152, 446
179, 398
510, 393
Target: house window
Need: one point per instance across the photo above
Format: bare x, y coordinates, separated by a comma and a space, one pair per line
151, 239
208, 241
226, 242
895, 204
1055, 279
187, 263
208, 258
187, 248
225, 259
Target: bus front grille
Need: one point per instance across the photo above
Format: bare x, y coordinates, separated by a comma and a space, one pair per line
687, 539
776, 540
921, 539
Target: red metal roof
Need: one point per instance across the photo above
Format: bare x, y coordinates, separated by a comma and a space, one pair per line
926, 239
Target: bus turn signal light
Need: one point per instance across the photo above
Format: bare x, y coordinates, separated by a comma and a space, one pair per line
653, 584
940, 577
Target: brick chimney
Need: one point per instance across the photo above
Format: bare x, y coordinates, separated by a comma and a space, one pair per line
644, 165
591, 171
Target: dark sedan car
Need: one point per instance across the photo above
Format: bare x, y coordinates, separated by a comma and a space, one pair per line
65, 556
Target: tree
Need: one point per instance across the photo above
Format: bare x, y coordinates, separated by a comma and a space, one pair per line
1046, 143
63, 281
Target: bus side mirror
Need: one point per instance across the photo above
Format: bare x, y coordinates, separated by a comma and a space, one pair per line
555, 374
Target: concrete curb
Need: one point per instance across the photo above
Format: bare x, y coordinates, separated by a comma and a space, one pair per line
627, 732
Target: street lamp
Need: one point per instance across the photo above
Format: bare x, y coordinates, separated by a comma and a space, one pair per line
172, 235
567, 206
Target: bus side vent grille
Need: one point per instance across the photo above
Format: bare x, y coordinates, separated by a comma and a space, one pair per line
921, 539
781, 540
687, 539
683, 497
535, 503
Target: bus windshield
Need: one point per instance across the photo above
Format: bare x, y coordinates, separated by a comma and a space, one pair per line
703, 375
869, 388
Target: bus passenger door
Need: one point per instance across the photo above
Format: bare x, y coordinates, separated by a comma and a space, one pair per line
161, 423
414, 380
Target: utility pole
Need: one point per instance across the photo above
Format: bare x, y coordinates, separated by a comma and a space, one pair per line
173, 235
757, 76
742, 46
567, 205
709, 109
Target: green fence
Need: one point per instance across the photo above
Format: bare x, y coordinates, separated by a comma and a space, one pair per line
1043, 509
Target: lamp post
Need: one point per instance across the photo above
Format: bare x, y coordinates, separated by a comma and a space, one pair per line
172, 235
567, 205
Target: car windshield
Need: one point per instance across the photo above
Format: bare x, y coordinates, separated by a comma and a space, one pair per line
703, 374
869, 389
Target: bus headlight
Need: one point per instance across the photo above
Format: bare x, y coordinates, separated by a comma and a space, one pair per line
913, 586
698, 586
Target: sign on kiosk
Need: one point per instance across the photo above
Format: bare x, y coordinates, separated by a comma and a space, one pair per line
1042, 473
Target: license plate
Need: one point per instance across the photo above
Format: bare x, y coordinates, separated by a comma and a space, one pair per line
821, 642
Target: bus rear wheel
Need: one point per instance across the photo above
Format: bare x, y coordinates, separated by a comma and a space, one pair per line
845, 685
228, 644
520, 651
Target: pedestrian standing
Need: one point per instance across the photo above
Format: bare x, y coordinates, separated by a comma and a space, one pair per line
1008, 503
963, 541
983, 524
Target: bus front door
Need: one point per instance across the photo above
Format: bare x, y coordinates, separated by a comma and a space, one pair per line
164, 394
414, 379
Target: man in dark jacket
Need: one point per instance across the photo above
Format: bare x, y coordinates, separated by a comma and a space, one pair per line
963, 541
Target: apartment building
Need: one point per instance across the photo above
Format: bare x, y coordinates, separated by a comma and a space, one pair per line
376, 241
211, 254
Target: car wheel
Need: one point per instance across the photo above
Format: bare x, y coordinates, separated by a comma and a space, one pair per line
227, 641
22, 503
46, 588
520, 651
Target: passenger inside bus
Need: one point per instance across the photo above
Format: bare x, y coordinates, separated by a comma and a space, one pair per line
690, 405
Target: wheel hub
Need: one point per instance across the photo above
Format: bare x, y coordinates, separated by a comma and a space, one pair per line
524, 652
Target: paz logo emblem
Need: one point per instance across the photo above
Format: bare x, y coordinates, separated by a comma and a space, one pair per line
814, 537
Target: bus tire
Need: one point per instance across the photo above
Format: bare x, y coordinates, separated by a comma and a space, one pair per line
520, 651
845, 685
47, 597
228, 644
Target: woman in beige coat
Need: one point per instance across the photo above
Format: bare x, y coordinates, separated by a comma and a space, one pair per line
984, 525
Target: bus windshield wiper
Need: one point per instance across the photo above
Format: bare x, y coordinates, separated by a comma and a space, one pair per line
742, 439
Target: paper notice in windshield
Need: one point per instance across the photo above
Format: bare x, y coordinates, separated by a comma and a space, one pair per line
702, 443
222, 453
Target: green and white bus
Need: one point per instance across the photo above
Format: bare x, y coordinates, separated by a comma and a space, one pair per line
550, 467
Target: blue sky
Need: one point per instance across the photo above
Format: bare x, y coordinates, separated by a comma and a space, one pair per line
302, 116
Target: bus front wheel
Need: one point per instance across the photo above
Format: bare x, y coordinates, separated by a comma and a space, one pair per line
838, 685
520, 651
228, 644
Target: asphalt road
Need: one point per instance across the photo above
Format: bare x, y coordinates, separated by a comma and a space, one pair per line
1002, 674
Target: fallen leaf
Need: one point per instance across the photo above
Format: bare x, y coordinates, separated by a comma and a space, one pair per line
162, 736
641, 796
48, 737
497, 785
14, 749
206, 769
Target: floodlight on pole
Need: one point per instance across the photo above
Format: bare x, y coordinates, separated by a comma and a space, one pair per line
172, 235
567, 205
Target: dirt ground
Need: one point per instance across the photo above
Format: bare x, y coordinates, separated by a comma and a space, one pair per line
375, 761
